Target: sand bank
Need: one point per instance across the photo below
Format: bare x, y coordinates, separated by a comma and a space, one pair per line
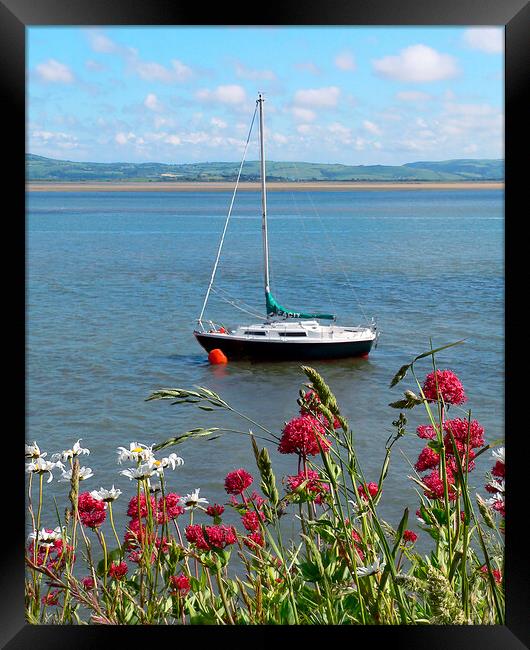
271, 187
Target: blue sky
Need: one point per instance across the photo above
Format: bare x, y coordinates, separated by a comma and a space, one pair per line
350, 95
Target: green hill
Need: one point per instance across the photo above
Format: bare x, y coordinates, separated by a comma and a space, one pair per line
39, 168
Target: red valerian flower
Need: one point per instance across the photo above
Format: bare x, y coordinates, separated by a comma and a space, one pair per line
428, 459
410, 536
302, 436
215, 511
498, 469
251, 520
132, 509
313, 486
444, 384
237, 481
254, 541
312, 401
220, 536
88, 582
173, 509
51, 599
494, 572
372, 489
461, 429
180, 584
195, 535
426, 431
118, 570
92, 512
435, 485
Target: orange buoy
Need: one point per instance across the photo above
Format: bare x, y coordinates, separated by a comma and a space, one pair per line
217, 356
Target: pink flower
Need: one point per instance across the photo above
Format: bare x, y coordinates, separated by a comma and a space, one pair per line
498, 469
428, 459
220, 536
118, 570
312, 401
132, 509
254, 541
314, 488
444, 384
461, 429
92, 512
426, 431
410, 536
302, 436
51, 599
237, 481
215, 511
251, 520
494, 572
372, 488
172, 507
88, 582
435, 486
195, 535
180, 584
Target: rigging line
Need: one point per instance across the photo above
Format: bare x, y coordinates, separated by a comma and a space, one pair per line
227, 219
311, 248
230, 302
350, 285
229, 295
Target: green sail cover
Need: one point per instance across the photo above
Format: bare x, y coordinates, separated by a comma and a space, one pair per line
274, 309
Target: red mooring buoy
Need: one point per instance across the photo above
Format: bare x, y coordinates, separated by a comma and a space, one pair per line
217, 356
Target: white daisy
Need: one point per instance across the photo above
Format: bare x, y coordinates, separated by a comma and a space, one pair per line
67, 454
172, 461
191, 500
154, 486
106, 495
46, 538
369, 570
137, 452
84, 473
498, 454
41, 466
140, 473
33, 451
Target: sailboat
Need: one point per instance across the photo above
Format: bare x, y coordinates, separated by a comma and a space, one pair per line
284, 334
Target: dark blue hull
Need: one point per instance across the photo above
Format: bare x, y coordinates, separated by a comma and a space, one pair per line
283, 351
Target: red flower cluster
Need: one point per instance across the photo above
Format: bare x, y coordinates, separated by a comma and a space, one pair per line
118, 570
426, 431
208, 537
92, 512
372, 488
314, 488
435, 485
88, 582
494, 572
237, 481
54, 556
51, 598
302, 436
215, 511
180, 585
410, 536
312, 400
444, 384
254, 541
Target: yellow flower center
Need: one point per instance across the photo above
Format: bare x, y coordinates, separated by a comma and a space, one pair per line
137, 450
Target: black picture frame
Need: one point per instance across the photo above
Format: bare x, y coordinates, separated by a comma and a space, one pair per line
15, 16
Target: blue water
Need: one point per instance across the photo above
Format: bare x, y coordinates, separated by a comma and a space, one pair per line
115, 281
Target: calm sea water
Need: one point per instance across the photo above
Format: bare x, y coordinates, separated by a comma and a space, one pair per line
115, 282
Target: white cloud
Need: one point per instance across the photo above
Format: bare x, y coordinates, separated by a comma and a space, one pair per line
41, 137
101, 43
230, 94
220, 124
125, 138
53, 71
318, 97
413, 96
345, 61
371, 127
151, 71
303, 114
152, 102
418, 64
486, 39
254, 75
173, 139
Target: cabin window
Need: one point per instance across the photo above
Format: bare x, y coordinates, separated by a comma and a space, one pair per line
256, 333
292, 333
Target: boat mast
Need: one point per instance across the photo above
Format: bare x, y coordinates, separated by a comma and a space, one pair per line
263, 198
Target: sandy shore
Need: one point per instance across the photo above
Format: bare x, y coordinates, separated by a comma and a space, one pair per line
271, 187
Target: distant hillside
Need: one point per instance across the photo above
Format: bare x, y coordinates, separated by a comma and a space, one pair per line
39, 168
